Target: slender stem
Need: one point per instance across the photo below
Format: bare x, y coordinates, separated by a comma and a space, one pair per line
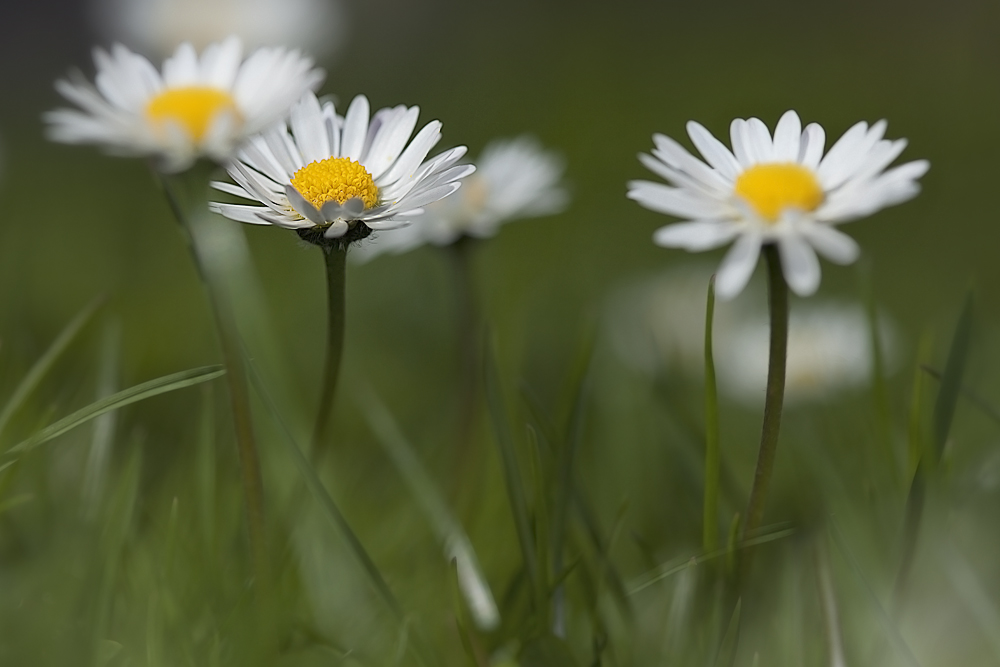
467, 335
187, 195
336, 262
710, 520
778, 303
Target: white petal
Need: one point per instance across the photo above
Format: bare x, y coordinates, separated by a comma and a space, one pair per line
675, 201
303, 207
240, 213
759, 139
696, 235
738, 136
799, 264
309, 129
389, 144
677, 156
787, 136
737, 266
714, 151
355, 128
336, 230
830, 242
811, 146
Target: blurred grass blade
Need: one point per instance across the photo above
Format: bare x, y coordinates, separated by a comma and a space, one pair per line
119, 400
916, 427
44, 363
973, 591
973, 397
457, 547
565, 489
828, 605
206, 468
710, 508
99, 456
951, 379
336, 517
731, 641
895, 636
880, 391
512, 475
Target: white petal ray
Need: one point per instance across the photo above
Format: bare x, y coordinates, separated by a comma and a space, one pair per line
675, 201
696, 235
799, 264
714, 151
830, 242
355, 128
737, 266
811, 147
787, 137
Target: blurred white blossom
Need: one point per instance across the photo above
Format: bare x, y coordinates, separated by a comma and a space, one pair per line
658, 326
156, 27
514, 179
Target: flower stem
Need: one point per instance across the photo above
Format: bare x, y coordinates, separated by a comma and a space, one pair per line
710, 519
187, 196
468, 337
335, 256
778, 304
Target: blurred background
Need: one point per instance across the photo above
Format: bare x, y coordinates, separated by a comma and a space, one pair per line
592, 81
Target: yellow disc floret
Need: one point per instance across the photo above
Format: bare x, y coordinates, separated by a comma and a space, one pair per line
771, 188
335, 179
192, 107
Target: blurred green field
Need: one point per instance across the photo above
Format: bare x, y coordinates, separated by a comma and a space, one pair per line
145, 563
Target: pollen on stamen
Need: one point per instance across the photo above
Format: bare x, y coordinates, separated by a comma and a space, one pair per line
192, 107
335, 179
772, 188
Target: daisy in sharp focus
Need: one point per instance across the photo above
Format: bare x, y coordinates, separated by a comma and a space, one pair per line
197, 107
515, 178
781, 190
335, 179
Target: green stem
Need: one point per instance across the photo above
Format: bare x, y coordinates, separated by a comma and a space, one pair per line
335, 256
710, 522
778, 304
467, 335
187, 193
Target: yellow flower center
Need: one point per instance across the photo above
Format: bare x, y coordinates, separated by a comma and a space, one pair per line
192, 107
771, 188
335, 179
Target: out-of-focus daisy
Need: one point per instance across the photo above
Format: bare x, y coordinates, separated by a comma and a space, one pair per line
779, 189
514, 179
155, 27
198, 106
332, 177
829, 350
658, 326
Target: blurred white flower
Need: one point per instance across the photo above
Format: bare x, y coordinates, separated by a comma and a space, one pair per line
156, 27
658, 325
780, 190
328, 176
199, 106
829, 350
514, 179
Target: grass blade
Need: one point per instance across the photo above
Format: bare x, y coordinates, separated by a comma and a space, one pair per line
512, 477
951, 379
710, 520
457, 547
44, 363
119, 400
333, 513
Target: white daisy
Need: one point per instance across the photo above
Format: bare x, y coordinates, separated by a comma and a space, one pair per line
157, 26
333, 177
197, 107
779, 189
515, 178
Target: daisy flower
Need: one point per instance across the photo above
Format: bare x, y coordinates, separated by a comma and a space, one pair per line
335, 179
778, 190
514, 179
157, 26
198, 106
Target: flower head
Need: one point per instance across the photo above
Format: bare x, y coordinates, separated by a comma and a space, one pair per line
335, 179
157, 26
198, 106
514, 179
779, 189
